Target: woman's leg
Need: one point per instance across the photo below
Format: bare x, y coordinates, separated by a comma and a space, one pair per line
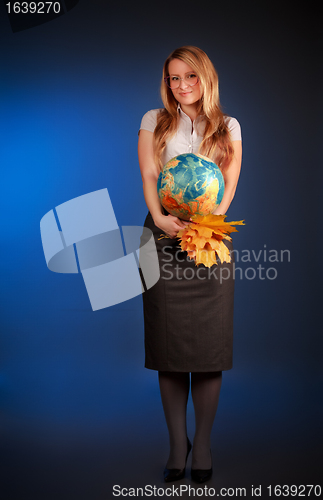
205, 389
174, 390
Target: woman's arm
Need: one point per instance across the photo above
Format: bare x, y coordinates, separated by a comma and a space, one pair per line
149, 173
231, 177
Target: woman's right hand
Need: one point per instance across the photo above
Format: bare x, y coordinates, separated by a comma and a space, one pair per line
170, 224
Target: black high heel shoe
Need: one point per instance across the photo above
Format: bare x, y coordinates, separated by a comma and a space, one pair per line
177, 474
201, 475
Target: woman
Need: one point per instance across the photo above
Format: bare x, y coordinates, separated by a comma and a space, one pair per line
188, 315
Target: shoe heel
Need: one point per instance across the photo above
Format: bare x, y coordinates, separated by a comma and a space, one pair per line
202, 475
177, 474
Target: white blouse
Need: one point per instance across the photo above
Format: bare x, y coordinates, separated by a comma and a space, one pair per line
188, 136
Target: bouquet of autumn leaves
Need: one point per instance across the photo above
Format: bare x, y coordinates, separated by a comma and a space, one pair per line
203, 238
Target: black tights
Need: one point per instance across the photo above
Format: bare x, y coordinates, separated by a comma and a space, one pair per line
174, 390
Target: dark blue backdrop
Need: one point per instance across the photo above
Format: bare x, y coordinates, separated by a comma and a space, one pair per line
79, 411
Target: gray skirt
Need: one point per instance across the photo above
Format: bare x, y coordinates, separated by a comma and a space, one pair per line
188, 313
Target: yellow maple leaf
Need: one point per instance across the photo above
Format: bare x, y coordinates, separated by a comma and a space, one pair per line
217, 222
203, 230
206, 257
223, 253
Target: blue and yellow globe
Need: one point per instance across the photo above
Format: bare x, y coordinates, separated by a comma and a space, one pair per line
190, 184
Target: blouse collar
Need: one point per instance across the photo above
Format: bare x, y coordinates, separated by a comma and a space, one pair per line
183, 114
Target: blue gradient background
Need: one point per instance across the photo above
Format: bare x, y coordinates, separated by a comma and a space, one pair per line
79, 412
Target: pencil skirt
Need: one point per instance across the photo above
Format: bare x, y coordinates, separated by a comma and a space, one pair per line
188, 313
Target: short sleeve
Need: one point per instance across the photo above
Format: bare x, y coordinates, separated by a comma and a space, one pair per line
149, 120
235, 129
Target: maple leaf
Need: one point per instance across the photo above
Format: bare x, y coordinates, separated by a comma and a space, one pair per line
217, 222
206, 257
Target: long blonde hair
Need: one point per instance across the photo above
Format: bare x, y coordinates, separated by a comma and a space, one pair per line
216, 143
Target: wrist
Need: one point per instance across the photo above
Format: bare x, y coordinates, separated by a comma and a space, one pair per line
158, 218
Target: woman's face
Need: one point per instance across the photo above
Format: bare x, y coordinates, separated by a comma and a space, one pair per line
184, 94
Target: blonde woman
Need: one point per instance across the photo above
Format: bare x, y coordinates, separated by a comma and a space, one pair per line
188, 313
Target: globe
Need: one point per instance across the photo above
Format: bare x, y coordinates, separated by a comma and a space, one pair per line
190, 184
